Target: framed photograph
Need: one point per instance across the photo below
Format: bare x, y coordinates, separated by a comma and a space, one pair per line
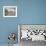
9, 11
31, 32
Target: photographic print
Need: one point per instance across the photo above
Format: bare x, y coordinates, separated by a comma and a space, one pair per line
9, 11
27, 34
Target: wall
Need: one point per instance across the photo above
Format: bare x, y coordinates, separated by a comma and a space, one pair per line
29, 12
7, 25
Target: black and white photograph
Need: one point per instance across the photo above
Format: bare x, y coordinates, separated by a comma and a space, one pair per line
30, 34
